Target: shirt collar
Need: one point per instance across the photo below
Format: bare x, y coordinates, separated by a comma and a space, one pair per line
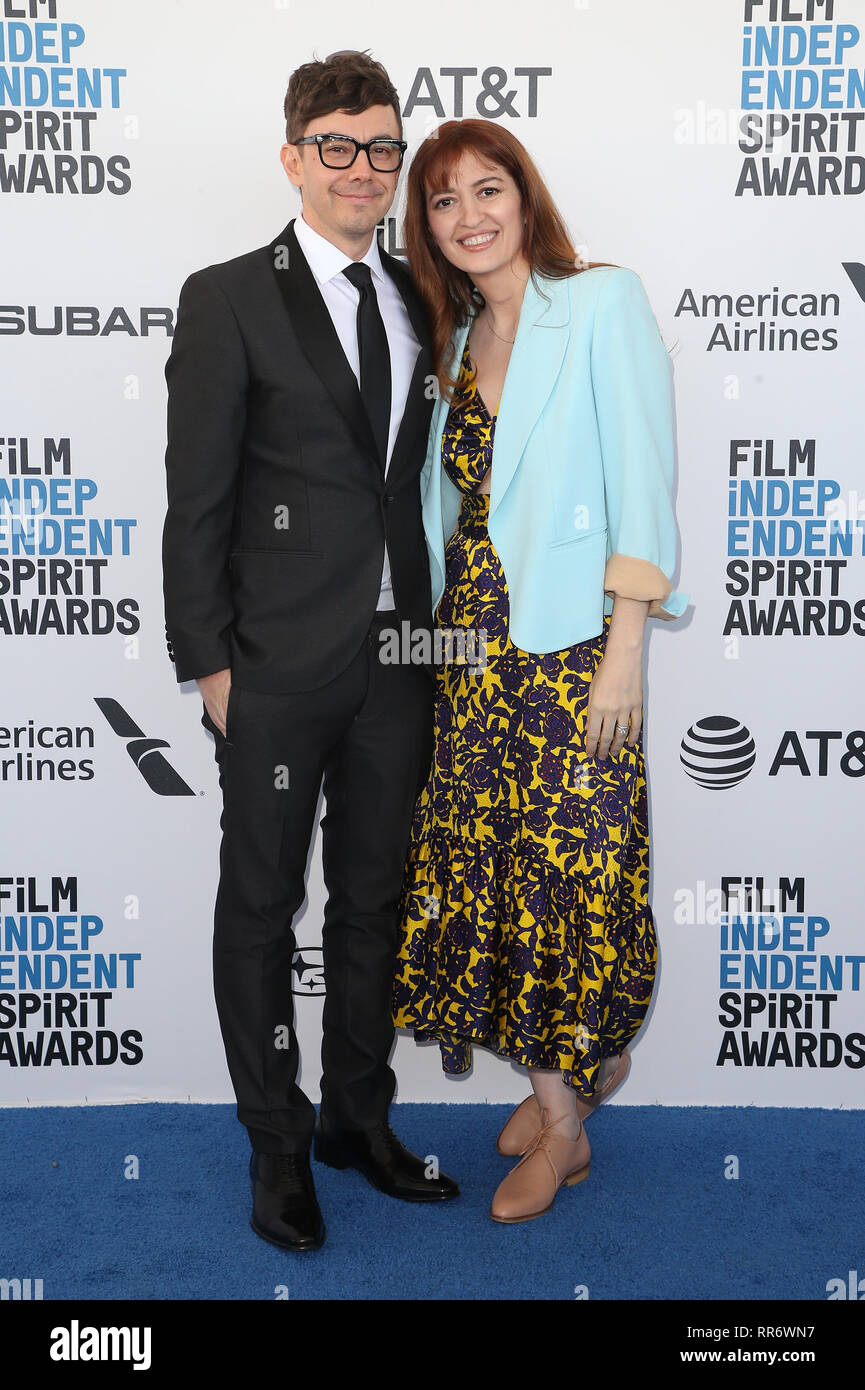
325, 260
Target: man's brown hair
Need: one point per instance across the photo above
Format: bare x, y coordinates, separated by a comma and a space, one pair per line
345, 81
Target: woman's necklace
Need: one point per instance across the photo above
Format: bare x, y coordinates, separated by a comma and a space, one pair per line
498, 335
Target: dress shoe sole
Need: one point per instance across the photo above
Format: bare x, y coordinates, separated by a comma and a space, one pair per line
285, 1244
331, 1159
580, 1176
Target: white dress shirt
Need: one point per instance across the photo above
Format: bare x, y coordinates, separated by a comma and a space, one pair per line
327, 263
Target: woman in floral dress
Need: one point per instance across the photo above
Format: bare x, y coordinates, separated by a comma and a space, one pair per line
525, 921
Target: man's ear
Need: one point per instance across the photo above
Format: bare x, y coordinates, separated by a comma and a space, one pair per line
292, 164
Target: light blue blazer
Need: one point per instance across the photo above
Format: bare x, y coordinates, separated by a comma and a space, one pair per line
582, 470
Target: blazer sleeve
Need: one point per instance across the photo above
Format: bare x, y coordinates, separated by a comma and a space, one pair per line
207, 378
633, 391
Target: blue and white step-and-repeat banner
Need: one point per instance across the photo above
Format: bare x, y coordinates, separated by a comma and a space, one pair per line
719, 151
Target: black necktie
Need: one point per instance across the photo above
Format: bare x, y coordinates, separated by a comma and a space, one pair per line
374, 356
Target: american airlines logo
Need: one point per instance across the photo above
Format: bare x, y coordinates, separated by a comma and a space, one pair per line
856, 272
145, 752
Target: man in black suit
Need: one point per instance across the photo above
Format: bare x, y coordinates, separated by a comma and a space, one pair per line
298, 413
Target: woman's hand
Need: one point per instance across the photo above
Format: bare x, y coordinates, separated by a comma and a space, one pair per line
615, 697
616, 690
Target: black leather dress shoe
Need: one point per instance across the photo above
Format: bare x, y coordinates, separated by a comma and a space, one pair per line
384, 1162
284, 1206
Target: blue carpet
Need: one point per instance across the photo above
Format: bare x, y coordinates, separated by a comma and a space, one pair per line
656, 1219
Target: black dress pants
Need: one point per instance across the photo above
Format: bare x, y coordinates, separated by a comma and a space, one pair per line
368, 735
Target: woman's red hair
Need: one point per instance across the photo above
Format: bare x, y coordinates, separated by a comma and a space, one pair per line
448, 293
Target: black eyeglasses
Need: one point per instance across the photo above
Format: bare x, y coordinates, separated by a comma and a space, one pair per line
340, 151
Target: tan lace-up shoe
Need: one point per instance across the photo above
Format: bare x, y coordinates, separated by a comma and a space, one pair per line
519, 1129
550, 1162
526, 1119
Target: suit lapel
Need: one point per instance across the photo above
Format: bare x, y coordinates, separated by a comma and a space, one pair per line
539, 347
317, 336
410, 297
417, 401
320, 343
441, 498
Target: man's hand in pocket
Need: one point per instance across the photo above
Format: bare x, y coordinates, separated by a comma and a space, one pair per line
214, 691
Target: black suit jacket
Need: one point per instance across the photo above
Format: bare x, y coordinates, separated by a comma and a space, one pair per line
278, 506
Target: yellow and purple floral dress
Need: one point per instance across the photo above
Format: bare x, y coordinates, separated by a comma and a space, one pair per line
525, 924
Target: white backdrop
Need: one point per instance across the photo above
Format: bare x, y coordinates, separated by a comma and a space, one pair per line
633, 114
